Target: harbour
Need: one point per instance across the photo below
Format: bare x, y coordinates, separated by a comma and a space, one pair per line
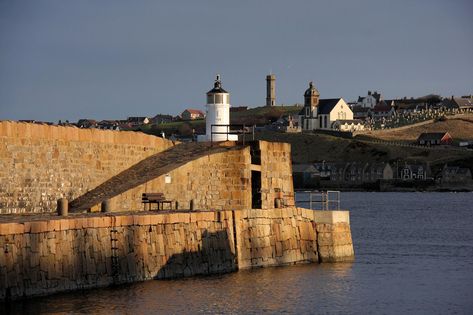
414, 254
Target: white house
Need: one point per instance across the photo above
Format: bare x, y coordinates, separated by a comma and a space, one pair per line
322, 114
370, 100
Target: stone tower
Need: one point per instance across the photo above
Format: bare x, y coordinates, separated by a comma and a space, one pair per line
270, 90
311, 97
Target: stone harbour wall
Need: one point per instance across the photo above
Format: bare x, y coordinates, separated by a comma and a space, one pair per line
276, 173
46, 255
40, 164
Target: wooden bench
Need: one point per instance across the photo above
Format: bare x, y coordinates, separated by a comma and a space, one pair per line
157, 198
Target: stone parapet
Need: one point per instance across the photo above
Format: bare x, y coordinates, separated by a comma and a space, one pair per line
41, 163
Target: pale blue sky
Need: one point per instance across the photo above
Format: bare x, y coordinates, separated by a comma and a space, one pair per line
65, 59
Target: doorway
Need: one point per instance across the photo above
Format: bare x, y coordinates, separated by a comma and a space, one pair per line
255, 189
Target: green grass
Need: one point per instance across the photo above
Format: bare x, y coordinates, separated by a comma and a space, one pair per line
263, 115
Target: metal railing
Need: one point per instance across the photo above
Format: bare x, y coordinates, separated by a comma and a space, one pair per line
322, 200
233, 129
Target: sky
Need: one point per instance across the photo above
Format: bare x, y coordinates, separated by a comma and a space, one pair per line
110, 59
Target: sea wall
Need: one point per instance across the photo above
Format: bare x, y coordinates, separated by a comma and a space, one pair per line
40, 163
40, 255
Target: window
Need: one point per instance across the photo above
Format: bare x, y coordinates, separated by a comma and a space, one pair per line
325, 121
218, 99
210, 99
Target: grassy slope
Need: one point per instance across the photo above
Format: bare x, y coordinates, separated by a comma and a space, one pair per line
308, 148
459, 129
263, 115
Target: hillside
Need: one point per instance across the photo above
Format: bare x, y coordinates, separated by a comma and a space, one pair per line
459, 129
308, 148
263, 115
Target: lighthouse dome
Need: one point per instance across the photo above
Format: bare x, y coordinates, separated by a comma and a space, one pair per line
217, 87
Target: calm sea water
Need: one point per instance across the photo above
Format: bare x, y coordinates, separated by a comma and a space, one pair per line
414, 255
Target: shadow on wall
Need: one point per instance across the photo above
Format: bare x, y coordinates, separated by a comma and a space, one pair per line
213, 256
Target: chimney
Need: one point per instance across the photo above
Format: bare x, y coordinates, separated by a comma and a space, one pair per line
369, 92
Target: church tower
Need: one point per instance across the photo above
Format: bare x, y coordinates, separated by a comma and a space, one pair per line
270, 90
311, 97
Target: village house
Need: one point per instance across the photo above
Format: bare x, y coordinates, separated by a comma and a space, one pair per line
87, 123
138, 121
160, 119
462, 104
323, 113
361, 113
456, 175
346, 173
370, 100
305, 175
414, 172
110, 125
383, 110
191, 114
434, 138
376, 171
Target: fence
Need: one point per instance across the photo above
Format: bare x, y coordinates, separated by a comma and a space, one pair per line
233, 129
322, 200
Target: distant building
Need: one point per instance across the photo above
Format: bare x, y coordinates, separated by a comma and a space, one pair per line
370, 100
191, 114
360, 112
459, 103
348, 173
414, 172
270, 90
456, 174
305, 175
87, 123
383, 110
434, 138
321, 114
138, 121
112, 125
160, 119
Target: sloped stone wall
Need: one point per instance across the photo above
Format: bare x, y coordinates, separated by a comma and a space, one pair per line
42, 256
218, 181
40, 164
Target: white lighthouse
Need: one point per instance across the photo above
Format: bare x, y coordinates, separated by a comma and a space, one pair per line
217, 113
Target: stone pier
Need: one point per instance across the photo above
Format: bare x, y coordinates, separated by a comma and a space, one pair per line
49, 254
